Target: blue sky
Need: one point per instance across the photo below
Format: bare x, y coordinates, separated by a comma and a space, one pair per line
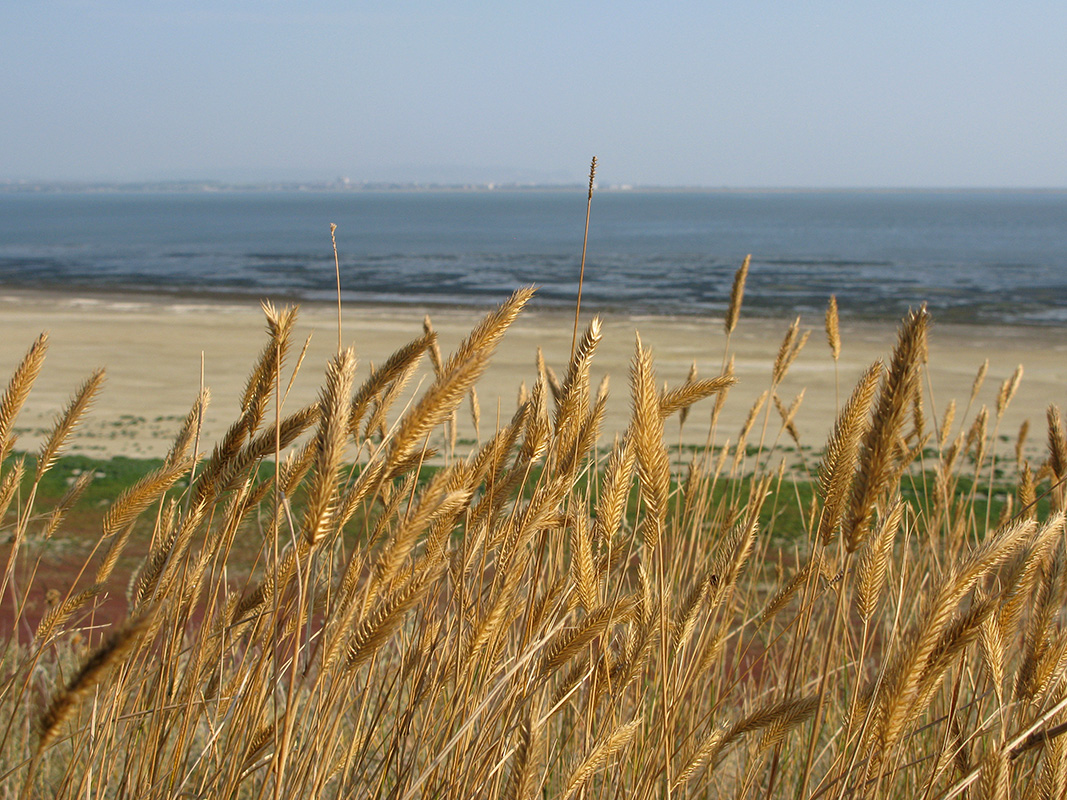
762, 93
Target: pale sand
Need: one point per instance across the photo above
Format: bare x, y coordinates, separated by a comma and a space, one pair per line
151, 348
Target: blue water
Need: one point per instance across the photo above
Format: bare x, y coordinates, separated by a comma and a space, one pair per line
972, 256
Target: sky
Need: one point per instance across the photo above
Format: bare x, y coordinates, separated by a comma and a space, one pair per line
761, 93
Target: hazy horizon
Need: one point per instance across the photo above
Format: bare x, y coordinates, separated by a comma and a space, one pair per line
955, 95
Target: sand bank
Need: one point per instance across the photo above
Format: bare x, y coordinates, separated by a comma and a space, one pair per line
152, 347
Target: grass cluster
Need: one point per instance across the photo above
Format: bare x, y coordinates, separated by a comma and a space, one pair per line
547, 615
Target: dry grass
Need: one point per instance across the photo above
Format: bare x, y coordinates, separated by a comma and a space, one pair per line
542, 616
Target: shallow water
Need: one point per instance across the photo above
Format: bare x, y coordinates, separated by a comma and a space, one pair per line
976, 256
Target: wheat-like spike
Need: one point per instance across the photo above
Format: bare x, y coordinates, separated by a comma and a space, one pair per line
573, 397
66, 502
1050, 670
332, 434
910, 674
746, 427
11, 481
376, 630
91, 673
876, 471
522, 782
582, 570
946, 424
1036, 640
979, 379
129, 505
692, 391
18, 389
583, 441
977, 435
566, 644
258, 743
776, 731
653, 462
1027, 492
778, 717
1007, 391
1020, 442
788, 414
461, 371
737, 294
476, 414
188, 431
59, 614
488, 333
231, 458
260, 386
1052, 783
605, 748
486, 627
538, 429
382, 402
1057, 448
783, 595
142, 494
875, 562
690, 379
396, 366
991, 640
703, 753
994, 779
441, 500
833, 328
491, 458
258, 391
735, 549
615, 490
435, 348
842, 451
688, 613
782, 360
67, 422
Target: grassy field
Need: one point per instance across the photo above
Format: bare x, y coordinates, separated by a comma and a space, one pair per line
344, 600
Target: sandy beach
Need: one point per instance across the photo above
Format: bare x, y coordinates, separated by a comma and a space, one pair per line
151, 348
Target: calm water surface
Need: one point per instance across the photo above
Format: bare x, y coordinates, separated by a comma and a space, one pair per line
972, 256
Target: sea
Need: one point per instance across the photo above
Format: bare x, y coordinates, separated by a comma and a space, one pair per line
987, 257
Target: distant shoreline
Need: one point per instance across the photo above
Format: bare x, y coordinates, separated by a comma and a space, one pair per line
330, 187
